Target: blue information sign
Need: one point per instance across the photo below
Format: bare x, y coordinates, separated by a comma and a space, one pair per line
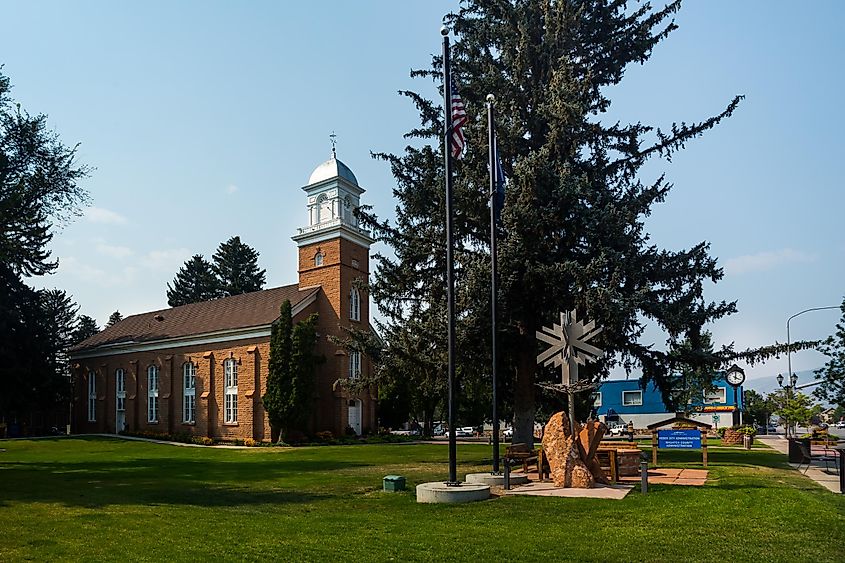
679, 439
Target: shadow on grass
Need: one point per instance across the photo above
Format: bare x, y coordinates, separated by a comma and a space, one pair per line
170, 481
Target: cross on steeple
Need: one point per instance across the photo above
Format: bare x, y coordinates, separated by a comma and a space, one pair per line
333, 139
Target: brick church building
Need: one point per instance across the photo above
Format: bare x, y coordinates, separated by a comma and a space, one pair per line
202, 368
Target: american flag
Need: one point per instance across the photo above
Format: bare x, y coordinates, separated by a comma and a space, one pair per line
459, 117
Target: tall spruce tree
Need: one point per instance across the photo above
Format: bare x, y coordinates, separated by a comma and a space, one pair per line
573, 233
236, 267
39, 187
832, 375
86, 327
292, 371
195, 282
114, 318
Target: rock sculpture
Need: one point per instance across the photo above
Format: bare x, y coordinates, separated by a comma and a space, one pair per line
571, 455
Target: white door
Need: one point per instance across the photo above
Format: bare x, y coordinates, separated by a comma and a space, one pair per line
355, 415
120, 401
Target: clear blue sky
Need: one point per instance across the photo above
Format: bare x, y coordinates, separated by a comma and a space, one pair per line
204, 119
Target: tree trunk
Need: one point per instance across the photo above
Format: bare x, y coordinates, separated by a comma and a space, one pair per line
523, 394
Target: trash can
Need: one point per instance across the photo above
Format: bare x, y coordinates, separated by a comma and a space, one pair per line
394, 483
795, 454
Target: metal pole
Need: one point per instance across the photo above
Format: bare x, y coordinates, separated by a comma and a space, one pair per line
491, 141
789, 344
736, 404
450, 266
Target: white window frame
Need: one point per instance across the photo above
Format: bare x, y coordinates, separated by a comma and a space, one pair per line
720, 396
120, 390
597, 399
152, 393
230, 391
354, 364
92, 396
354, 304
318, 259
634, 403
189, 392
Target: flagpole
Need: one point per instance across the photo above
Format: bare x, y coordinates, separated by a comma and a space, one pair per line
491, 143
450, 266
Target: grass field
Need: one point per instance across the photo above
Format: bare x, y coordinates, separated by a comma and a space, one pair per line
109, 499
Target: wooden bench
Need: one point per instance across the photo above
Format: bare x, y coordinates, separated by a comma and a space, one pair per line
521, 453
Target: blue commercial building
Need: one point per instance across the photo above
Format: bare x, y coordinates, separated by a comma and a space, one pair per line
625, 400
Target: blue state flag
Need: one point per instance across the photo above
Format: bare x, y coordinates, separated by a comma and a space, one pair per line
499, 181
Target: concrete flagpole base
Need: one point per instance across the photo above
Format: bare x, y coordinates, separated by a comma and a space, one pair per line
439, 493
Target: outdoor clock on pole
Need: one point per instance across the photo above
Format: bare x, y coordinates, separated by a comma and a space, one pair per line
736, 377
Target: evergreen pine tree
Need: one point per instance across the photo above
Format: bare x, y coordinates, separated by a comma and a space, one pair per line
85, 328
236, 267
573, 233
114, 318
194, 282
292, 368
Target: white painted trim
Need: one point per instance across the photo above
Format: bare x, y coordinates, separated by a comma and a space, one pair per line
190, 340
361, 237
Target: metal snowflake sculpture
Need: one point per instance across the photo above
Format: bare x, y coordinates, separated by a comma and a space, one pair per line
568, 346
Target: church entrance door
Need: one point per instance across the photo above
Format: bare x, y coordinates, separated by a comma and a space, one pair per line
355, 415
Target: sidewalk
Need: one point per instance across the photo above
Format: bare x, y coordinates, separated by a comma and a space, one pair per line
817, 473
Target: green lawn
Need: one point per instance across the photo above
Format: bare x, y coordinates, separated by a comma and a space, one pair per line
94, 499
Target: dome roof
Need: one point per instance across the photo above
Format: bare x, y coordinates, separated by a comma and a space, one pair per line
331, 169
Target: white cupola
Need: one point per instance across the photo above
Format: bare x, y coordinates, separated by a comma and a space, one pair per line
333, 196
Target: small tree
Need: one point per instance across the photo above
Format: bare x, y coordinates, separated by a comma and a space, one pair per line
794, 407
832, 374
236, 267
195, 282
114, 318
292, 368
756, 408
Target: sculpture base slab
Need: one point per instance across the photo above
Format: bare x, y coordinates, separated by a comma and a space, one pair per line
496, 480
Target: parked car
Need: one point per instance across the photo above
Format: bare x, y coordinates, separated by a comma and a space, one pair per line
464, 432
618, 429
840, 424
507, 433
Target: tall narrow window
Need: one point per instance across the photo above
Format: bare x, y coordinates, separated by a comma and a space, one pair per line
354, 364
152, 394
354, 304
92, 397
318, 259
120, 399
189, 377
230, 399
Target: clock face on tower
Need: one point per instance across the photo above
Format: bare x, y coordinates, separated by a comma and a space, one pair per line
736, 378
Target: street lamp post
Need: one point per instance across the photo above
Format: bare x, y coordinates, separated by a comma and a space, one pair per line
788, 338
793, 378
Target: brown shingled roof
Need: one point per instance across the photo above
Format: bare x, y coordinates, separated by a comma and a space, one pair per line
259, 308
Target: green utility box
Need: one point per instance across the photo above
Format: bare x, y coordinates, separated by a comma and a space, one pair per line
393, 483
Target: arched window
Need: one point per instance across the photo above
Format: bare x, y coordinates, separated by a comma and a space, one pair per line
354, 364
189, 384
324, 209
230, 392
92, 397
152, 394
318, 259
354, 304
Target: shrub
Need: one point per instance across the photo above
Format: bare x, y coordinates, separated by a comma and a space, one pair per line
324, 436
721, 432
746, 430
251, 443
